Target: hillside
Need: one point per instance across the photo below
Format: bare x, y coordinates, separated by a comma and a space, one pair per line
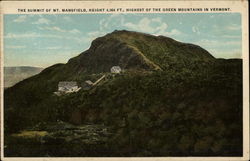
171, 96
133, 50
13, 75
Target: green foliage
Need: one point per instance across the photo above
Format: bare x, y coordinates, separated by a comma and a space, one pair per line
193, 107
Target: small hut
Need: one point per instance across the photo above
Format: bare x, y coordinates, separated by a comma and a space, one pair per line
116, 69
67, 86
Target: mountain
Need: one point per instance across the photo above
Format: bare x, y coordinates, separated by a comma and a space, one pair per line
13, 75
171, 99
137, 50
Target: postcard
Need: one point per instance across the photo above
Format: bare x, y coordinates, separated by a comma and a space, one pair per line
124, 80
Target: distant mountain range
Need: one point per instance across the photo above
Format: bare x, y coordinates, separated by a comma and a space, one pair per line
13, 75
171, 99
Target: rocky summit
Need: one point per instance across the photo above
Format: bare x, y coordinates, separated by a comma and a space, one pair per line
168, 98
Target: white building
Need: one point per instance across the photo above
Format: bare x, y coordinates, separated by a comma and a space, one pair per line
89, 82
116, 69
68, 87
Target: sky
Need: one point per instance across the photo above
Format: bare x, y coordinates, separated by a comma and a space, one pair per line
44, 40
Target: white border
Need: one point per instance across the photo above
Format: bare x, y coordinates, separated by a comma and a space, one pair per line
1, 83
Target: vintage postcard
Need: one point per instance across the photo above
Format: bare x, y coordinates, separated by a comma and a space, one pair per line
91, 80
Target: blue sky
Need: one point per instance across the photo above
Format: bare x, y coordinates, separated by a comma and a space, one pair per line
44, 40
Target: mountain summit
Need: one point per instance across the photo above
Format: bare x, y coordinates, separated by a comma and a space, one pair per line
134, 50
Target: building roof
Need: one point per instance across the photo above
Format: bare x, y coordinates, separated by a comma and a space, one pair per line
89, 82
116, 69
67, 83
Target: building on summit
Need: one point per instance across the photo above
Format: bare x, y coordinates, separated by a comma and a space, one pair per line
67, 87
116, 69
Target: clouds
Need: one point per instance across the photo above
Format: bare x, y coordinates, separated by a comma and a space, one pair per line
53, 47
53, 28
23, 35
67, 18
58, 29
42, 20
49, 34
74, 31
232, 36
234, 27
21, 18
154, 25
234, 53
218, 43
145, 25
196, 30
46, 27
25, 18
29, 35
174, 32
92, 35
39, 38
230, 31
15, 47
114, 20
227, 48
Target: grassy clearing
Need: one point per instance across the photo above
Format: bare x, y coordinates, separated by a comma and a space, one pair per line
30, 134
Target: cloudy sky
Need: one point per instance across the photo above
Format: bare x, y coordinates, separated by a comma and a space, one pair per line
43, 40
